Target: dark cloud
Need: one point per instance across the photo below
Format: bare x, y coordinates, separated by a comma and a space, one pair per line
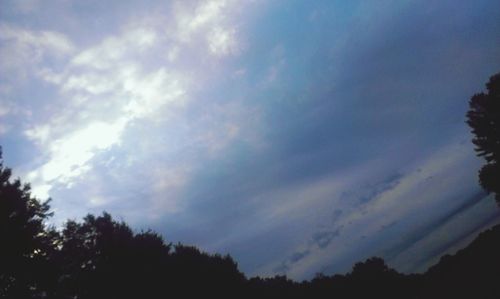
323, 239
444, 248
336, 216
419, 234
368, 192
296, 257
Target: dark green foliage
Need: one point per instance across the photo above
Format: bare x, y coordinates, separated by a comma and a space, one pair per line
484, 119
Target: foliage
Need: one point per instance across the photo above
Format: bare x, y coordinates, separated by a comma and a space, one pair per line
26, 244
484, 119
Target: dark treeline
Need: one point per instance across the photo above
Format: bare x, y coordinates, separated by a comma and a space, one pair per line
103, 258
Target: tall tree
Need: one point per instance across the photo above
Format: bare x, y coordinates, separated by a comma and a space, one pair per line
484, 119
26, 244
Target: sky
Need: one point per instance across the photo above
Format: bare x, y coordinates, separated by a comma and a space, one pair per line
297, 136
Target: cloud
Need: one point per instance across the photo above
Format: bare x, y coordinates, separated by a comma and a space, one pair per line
22, 50
206, 13
106, 73
212, 20
49, 42
167, 187
114, 49
230, 127
451, 232
369, 220
114, 83
221, 41
27, 6
224, 123
372, 191
9, 112
71, 153
5, 108
4, 128
323, 239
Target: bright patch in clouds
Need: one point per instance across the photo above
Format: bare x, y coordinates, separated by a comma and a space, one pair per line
112, 84
70, 154
128, 92
221, 42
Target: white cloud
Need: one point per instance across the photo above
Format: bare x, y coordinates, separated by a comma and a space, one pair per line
206, 13
103, 90
41, 191
173, 53
221, 41
50, 42
115, 49
209, 21
39, 133
142, 96
22, 50
90, 82
49, 75
107, 76
70, 154
149, 93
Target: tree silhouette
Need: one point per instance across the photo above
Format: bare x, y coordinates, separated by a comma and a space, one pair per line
95, 257
26, 245
101, 258
484, 119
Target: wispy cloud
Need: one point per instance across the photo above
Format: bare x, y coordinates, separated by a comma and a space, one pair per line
113, 83
21, 49
396, 199
110, 76
113, 50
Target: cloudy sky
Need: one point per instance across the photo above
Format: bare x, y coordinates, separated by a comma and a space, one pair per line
298, 136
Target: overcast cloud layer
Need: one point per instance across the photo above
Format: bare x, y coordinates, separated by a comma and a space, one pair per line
297, 136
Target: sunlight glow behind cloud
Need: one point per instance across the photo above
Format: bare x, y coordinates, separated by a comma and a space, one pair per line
115, 75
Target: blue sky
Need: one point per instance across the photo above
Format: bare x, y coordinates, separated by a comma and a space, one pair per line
298, 136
